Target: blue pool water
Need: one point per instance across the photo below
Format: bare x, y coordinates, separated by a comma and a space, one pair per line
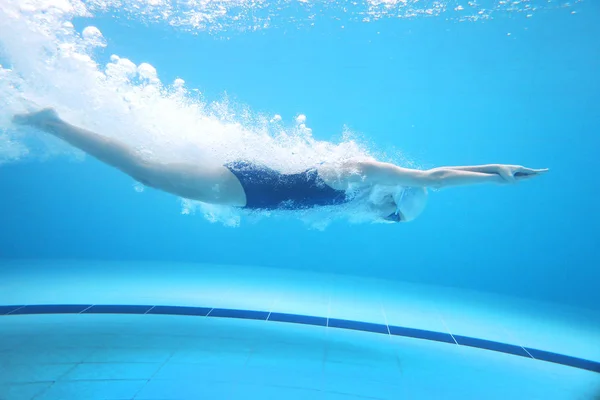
419, 83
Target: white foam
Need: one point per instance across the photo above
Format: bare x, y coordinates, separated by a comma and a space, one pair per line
148, 73
92, 36
53, 65
301, 119
251, 15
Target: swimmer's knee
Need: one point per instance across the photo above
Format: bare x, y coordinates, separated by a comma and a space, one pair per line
142, 171
144, 182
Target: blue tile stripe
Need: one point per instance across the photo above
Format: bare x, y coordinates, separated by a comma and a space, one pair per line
243, 314
541, 355
50, 309
179, 310
421, 334
298, 319
491, 345
357, 325
4, 310
116, 309
564, 360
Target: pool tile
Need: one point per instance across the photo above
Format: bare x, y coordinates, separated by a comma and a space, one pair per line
92, 390
4, 310
355, 385
179, 310
357, 325
222, 372
491, 345
51, 309
37, 353
564, 360
254, 391
285, 374
128, 355
298, 319
243, 314
22, 391
297, 360
183, 389
117, 309
211, 357
107, 371
421, 334
32, 372
378, 373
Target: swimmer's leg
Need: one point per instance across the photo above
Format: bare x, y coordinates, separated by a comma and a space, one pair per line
209, 184
105, 149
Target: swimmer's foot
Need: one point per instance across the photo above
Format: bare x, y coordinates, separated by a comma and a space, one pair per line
36, 118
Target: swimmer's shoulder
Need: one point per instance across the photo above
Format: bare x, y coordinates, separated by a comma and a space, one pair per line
340, 174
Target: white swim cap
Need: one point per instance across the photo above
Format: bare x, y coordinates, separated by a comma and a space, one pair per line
410, 201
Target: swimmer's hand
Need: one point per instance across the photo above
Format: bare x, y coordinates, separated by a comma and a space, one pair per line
516, 173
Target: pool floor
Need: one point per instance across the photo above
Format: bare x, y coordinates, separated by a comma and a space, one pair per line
108, 356
147, 357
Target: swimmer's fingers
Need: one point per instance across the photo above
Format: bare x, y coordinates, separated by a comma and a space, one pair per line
526, 173
538, 171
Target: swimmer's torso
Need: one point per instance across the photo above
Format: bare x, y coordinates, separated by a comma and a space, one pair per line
268, 189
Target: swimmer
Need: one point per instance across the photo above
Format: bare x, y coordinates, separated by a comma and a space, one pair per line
245, 184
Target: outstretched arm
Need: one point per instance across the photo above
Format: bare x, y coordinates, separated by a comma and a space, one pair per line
486, 168
374, 172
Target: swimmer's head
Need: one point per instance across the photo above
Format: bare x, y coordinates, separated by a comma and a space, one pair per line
410, 203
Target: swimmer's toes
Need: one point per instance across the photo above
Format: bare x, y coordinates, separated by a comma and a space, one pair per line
35, 117
20, 119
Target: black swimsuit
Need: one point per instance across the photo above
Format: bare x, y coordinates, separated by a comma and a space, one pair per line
269, 189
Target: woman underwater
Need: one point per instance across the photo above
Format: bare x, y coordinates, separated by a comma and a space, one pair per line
252, 186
